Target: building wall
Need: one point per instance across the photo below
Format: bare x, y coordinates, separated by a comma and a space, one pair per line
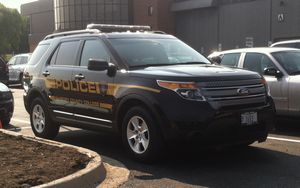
76, 14
198, 28
210, 25
245, 24
156, 13
41, 18
289, 27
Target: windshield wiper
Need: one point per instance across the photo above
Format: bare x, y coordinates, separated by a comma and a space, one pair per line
295, 72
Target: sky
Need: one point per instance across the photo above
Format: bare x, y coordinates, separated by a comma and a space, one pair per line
15, 3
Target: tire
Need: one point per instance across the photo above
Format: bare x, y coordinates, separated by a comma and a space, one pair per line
146, 143
41, 123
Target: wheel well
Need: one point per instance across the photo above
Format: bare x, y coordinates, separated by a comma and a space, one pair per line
126, 106
32, 96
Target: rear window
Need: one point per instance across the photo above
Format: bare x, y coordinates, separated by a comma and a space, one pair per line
38, 54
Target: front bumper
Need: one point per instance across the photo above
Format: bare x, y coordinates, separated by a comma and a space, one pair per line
218, 127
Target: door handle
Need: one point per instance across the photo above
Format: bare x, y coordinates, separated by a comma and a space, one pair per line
79, 77
46, 73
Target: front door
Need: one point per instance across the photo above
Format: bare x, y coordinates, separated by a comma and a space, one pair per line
278, 86
95, 87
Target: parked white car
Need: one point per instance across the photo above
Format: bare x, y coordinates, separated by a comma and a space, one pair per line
287, 43
279, 66
16, 66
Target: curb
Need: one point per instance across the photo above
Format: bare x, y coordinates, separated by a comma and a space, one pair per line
91, 176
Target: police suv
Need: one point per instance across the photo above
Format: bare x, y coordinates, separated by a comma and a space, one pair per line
149, 86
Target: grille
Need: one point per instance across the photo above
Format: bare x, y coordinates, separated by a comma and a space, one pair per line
233, 93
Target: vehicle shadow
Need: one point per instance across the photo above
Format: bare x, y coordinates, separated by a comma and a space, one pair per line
188, 165
287, 126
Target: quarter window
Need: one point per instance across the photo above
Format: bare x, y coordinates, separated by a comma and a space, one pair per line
93, 49
66, 54
231, 60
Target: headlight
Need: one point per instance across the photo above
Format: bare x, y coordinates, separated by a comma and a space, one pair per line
263, 81
187, 90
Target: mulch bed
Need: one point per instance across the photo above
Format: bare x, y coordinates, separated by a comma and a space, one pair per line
25, 163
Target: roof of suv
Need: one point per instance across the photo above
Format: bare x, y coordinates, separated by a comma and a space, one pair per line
112, 31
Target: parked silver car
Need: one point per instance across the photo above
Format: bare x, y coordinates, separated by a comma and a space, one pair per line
16, 66
280, 67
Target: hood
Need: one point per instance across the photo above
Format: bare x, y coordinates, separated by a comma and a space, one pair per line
203, 72
3, 88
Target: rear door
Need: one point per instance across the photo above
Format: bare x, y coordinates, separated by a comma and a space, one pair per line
57, 75
95, 98
278, 86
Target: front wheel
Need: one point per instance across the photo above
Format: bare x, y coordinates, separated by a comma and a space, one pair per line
41, 123
141, 135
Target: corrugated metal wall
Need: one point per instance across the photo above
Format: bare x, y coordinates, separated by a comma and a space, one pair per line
239, 24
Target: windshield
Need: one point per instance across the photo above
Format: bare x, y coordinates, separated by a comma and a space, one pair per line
156, 52
289, 60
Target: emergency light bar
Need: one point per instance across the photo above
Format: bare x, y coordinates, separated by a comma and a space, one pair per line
106, 28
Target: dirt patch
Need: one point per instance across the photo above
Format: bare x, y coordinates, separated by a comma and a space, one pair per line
25, 163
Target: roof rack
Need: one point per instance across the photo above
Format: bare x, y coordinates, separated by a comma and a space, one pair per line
67, 33
106, 28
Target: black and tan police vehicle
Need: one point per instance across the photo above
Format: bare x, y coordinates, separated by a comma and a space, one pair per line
149, 86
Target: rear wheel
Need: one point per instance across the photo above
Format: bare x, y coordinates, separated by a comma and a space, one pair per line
141, 135
41, 123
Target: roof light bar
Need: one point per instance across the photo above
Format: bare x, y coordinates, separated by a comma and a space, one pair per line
106, 28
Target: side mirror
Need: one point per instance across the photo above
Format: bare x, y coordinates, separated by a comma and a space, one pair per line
102, 65
273, 72
98, 65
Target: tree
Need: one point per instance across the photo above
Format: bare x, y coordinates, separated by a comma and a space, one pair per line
13, 31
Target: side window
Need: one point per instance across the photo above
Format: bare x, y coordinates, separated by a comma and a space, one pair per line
266, 62
93, 49
18, 61
24, 60
230, 60
66, 53
257, 62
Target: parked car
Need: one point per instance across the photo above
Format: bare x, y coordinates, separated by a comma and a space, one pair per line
279, 66
150, 87
6, 104
3, 71
287, 43
16, 66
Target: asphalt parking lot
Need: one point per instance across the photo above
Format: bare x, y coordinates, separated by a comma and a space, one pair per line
275, 163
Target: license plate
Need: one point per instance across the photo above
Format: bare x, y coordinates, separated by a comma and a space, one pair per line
249, 118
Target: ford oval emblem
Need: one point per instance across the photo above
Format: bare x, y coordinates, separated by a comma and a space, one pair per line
243, 91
